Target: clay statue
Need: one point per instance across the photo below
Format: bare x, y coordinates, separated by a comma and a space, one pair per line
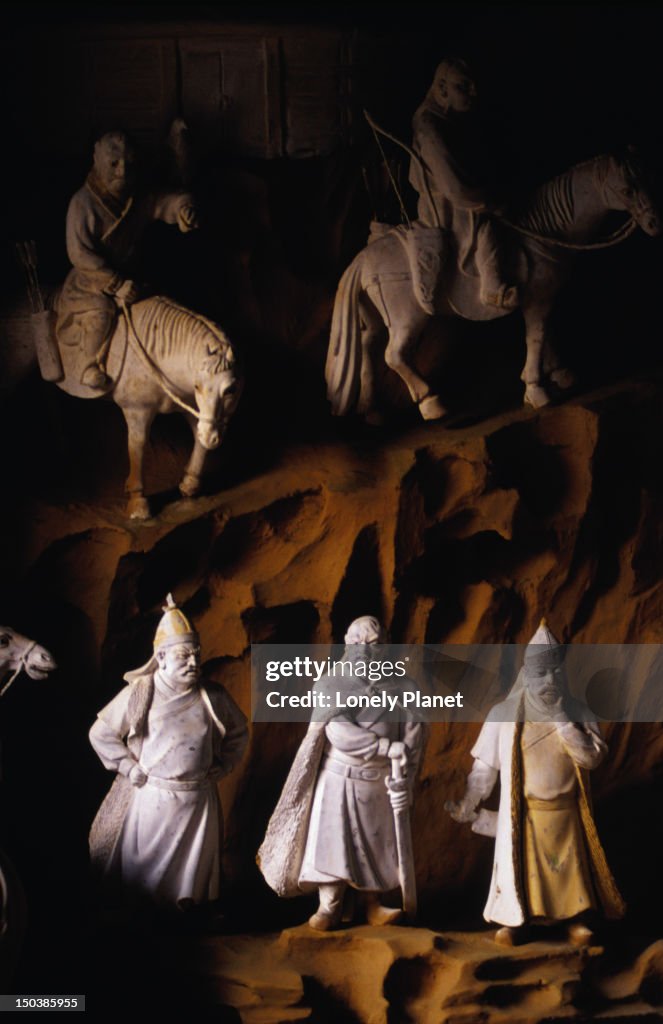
341, 822
446, 171
151, 356
169, 735
105, 221
549, 864
17, 654
466, 257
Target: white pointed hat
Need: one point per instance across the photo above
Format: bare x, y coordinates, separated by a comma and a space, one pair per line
544, 647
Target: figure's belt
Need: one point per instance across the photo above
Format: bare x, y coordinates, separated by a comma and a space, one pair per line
352, 772
558, 803
175, 785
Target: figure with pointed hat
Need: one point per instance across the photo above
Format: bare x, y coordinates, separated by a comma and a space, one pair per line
549, 865
169, 735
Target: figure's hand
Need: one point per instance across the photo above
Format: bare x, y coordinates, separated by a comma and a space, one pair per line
127, 293
399, 793
398, 752
462, 810
137, 776
187, 215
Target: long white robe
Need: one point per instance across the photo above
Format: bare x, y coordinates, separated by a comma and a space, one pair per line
351, 835
168, 844
329, 826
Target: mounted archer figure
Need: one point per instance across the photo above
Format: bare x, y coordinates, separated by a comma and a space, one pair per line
447, 169
462, 257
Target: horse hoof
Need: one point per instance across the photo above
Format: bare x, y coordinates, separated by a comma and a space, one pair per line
563, 378
536, 396
138, 508
190, 487
431, 408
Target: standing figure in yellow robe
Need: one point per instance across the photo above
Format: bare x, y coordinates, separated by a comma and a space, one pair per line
549, 864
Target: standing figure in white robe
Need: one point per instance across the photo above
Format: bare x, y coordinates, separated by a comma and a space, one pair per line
549, 864
333, 828
170, 737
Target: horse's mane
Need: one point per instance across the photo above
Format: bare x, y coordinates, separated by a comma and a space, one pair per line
550, 208
167, 330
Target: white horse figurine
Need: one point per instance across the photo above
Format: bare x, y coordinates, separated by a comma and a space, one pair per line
17, 654
376, 291
162, 358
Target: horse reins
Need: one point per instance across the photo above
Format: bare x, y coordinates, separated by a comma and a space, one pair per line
617, 236
21, 665
159, 376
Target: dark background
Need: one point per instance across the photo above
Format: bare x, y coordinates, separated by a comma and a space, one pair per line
558, 84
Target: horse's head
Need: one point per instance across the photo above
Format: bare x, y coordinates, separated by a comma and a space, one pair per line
626, 188
19, 652
217, 390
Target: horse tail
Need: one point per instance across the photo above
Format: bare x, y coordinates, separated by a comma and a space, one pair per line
344, 355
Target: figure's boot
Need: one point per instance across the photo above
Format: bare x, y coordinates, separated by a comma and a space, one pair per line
579, 934
507, 936
581, 931
377, 914
329, 913
493, 290
94, 346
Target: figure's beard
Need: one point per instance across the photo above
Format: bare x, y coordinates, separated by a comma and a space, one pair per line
538, 706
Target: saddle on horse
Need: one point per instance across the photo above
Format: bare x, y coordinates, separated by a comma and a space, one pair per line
428, 251
439, 283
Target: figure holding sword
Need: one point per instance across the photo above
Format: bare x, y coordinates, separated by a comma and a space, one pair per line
342, 822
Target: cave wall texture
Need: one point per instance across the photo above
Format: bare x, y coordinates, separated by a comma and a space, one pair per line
451, 533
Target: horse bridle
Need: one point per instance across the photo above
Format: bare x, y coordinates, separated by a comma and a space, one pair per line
22, 663
160, 377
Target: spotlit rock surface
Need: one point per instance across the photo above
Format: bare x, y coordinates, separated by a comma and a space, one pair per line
380, 975
448, 536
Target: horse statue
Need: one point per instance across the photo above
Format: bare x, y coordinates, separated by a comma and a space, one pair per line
17, 654
383, 287
20, 654
161, 358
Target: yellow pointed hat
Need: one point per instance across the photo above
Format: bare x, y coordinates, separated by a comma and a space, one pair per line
174, 627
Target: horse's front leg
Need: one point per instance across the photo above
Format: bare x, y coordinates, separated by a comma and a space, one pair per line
139, 420
190, 483
533, 375
400, 349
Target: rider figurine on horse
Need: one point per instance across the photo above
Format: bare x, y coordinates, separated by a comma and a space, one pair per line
447, 169
105, 221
